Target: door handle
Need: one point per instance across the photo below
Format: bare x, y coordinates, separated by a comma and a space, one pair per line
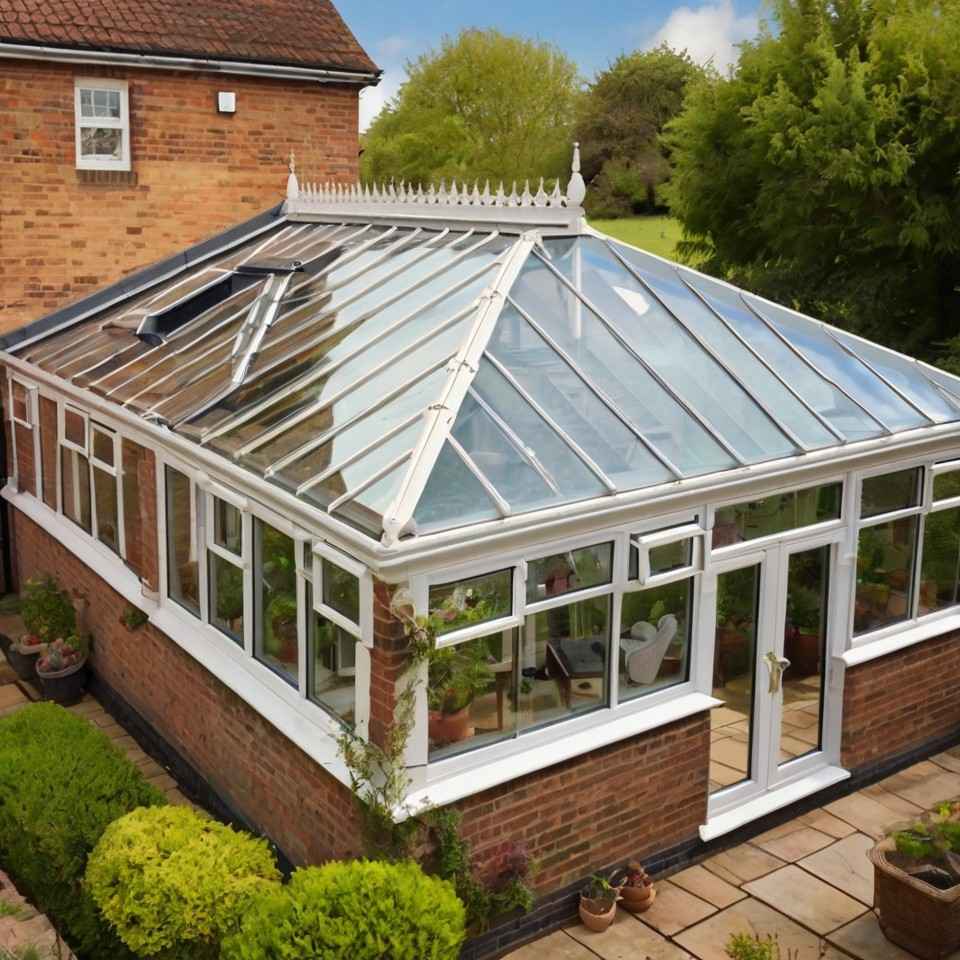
776, 665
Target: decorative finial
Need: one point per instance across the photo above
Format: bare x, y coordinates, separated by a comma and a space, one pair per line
576, 188
293, 187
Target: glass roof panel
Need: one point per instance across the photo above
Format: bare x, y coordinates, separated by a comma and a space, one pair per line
946, 381
452, 497
657, 336
602, 357
665, 282
844, 415
367, 509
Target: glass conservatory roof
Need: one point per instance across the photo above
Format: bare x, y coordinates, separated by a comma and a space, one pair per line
328, 358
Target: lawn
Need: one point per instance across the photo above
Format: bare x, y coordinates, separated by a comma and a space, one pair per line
657, 234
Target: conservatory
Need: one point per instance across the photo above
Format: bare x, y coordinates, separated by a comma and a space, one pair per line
650, 512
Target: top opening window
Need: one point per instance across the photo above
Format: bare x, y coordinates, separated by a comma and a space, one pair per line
23, 402
563, 573
890, 492
102, 115
946, 480
666, 552
465, 603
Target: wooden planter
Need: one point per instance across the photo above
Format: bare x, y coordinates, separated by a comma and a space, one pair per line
914, 915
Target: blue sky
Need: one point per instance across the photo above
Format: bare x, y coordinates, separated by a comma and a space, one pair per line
592, 33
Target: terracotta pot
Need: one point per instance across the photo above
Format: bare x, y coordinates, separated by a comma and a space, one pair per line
450, 727
64, 686
638, 899
597, 915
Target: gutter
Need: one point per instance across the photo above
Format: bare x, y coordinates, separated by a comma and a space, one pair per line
276, 71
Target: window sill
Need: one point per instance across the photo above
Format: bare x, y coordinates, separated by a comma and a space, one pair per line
908, 637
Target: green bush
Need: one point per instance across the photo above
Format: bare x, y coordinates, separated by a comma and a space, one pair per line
61, 784
364, 910
173, 882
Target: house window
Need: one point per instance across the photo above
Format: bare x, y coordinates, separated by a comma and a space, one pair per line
183, 578
74, 467
102, 116
276, 623
107, 490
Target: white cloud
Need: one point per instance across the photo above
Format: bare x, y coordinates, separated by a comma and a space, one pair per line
390, 53
708, 33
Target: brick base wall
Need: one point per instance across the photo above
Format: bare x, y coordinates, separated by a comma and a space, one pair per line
900, 702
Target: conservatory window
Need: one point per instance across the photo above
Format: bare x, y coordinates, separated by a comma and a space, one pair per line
183, 581
74, 467
276, 624
104, 467
666, 553
23, 403
946, 484
465, 604
102, 116
225, 568
563, 573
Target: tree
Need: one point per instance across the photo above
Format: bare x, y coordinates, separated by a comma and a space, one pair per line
486, 105
619, 123
825, 170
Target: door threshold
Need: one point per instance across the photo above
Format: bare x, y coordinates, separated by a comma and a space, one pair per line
773, 800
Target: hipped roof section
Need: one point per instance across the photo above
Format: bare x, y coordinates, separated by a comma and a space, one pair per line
429, 371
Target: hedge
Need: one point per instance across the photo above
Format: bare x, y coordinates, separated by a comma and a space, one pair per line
364, 910
174, 882
61, 783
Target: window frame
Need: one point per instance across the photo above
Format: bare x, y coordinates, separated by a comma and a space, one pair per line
33, 411
114, 470
644, 543
121, 123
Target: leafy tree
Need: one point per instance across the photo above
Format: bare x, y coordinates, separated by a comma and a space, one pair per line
486, 105
825, 170
619, 123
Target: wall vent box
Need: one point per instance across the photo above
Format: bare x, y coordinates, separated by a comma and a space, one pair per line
226, 102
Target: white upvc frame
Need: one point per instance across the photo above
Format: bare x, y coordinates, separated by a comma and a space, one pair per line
644, 543
121, 123
32, 403
362, 628
242, 561
114, 470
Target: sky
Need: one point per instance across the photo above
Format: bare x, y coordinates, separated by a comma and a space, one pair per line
592, 33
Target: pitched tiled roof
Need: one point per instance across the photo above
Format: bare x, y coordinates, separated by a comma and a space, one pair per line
303, 33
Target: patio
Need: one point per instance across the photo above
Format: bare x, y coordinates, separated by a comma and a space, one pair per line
807, 882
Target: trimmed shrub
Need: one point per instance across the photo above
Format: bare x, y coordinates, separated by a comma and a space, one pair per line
174, 882
61, 783
364, 910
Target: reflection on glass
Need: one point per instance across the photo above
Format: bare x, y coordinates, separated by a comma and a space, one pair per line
341, 591
103, 447
655, 638
275, 637
453, 495
75, 487
182, 575
74, 428
464, 603
227, 526
131, 455
889, 492
331, 666
734, 660
671, 556
225, 586
885, 558
564, 657
946, 485
804, 645
20, 405
776, 514
564, 572
472, 694
101, 142
105, 496
940, 567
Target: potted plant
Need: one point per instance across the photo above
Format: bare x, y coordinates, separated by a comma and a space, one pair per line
637, 891
282, 612
917, 872
598, 903
47, 614
62, 669
457, 675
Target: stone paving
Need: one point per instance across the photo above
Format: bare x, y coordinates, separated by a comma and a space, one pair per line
808, 883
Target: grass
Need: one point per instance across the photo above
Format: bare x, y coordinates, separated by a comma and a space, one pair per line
658, 235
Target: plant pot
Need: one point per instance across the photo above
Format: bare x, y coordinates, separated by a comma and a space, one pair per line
637, 899
64, 686
24, 661
450, 727
597, 915
913, 914
5, 643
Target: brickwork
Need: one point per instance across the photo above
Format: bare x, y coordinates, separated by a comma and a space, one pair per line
194, 172
48, 451
900, 702
387, 662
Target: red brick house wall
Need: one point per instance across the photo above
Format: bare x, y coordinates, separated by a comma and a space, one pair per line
195, 172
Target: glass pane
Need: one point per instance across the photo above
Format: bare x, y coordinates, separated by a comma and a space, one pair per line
804, 645
225, 587
105, 492
331, 667
103, 447
654, 334
565, 572
885, 558
341, 591
472, 694
276, 631
946, 485
20, 406
75, 487
74, 428
465, 603
227, 526
776, 514
183, 583
101, 142
671, 556
655, 630
86, 103
734, 659
565, 655
453, 496
889, 492
940, 568
610, 366
131, 455
664, 279
48, 453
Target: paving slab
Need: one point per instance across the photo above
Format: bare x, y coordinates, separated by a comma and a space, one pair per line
867, 814
625, 939
742, 864
827, 823
949, 760
797, 844
925, 784
675, 909
864, 940
555, 946
708, 940
806, 899
846, 866
707, 886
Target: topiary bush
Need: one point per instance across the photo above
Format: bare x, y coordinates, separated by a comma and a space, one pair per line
364, 910
173, 882
61, 783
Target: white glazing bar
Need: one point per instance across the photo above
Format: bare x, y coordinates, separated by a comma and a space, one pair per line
822, 420
516, 442
282, 241
503, 508
686, 405
785, 340
312, 238
581, 454
370, 481
700, 342
332, 244
597, 392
